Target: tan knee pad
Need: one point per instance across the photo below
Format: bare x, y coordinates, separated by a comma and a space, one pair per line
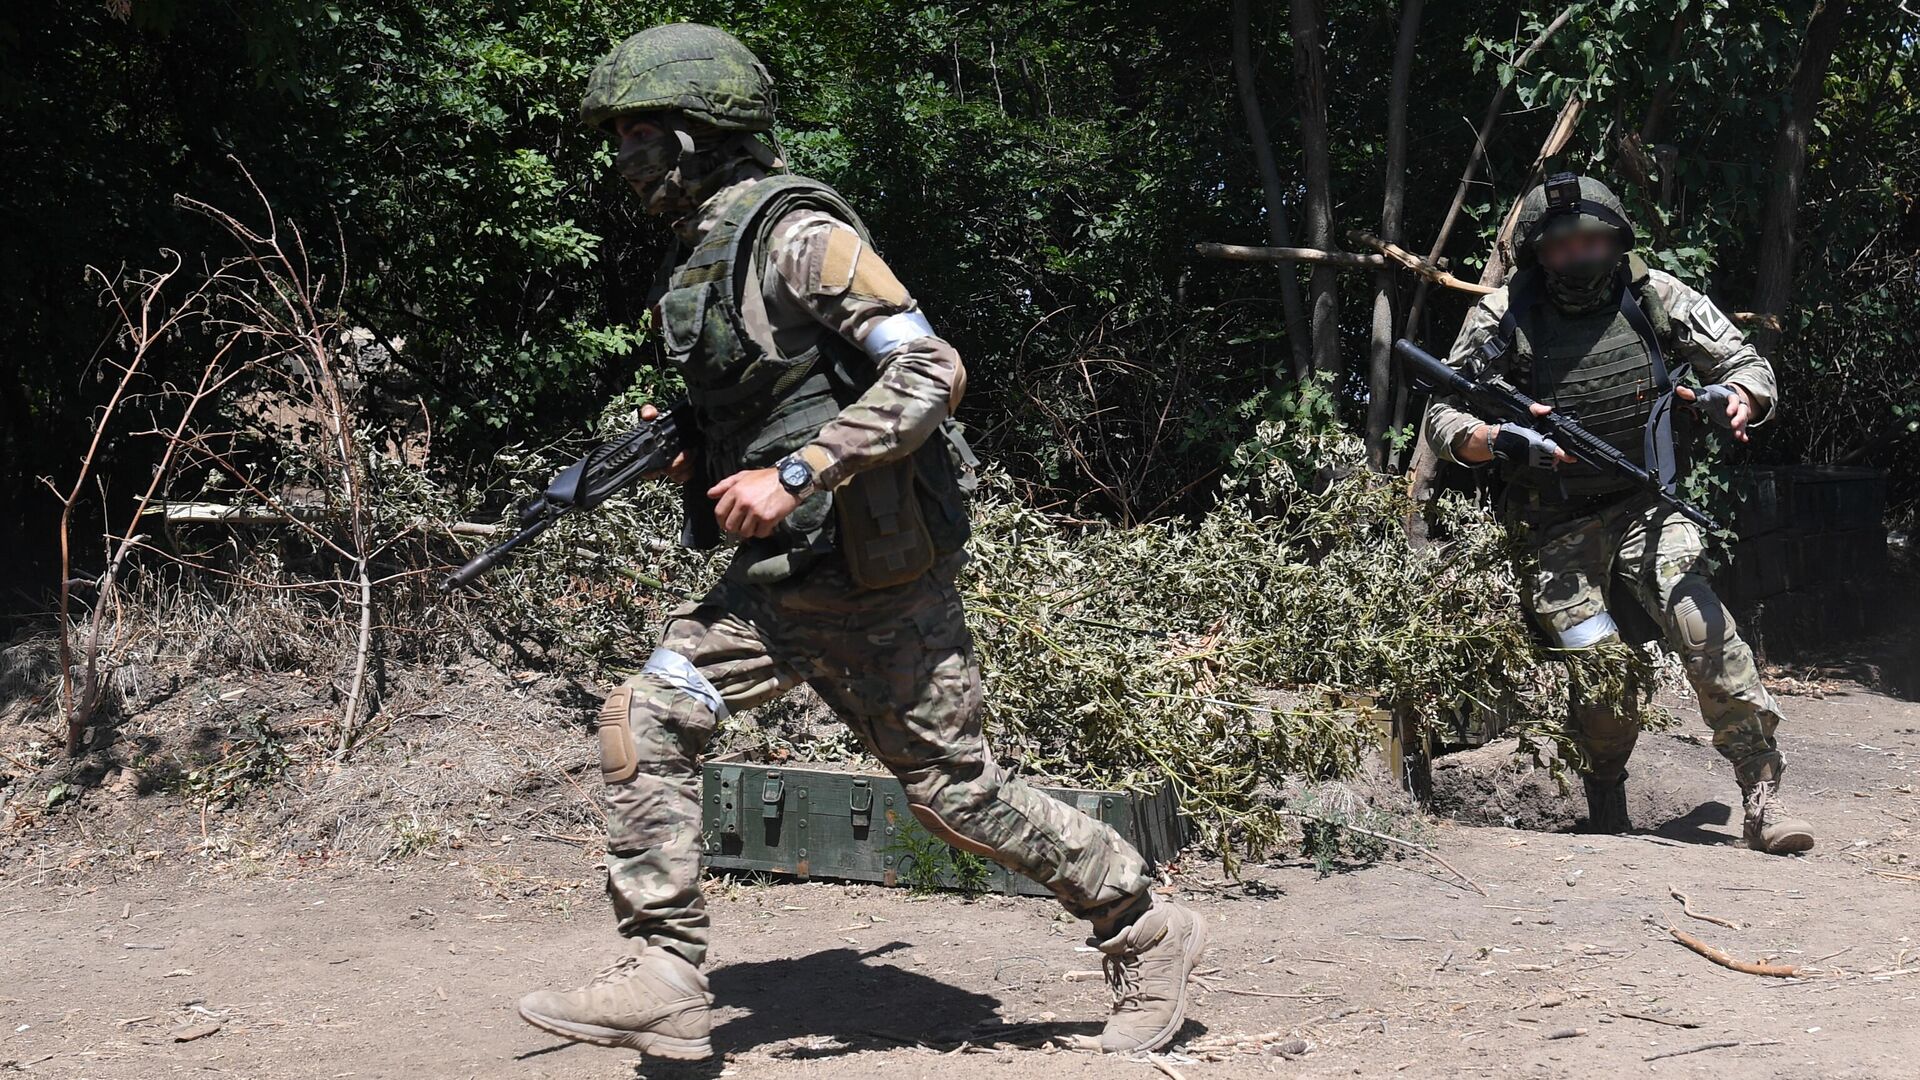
1699, 623
619, 761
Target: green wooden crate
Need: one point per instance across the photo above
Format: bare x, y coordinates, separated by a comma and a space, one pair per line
810, 822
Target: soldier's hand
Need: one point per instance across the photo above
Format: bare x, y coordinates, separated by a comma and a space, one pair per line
1726, 405
681, 469
1559, 455
751, 504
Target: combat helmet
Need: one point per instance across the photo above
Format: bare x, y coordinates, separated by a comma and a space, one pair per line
1567, 202
699, 71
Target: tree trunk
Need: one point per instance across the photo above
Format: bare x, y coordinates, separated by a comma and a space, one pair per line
1277, 229
1310, 91
1380, 357
1775, 281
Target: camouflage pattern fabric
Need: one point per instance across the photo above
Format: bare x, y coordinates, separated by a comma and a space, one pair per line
700, 71
1705, 338
1657, 555
897, 665
818, 278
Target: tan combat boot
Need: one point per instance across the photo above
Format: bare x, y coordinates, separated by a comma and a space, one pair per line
1147, 968
1769, 828
653, 1002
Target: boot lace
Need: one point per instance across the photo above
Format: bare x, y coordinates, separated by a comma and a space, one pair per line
1123, 980
615, 971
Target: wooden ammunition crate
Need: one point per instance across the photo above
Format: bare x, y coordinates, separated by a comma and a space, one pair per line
812, 822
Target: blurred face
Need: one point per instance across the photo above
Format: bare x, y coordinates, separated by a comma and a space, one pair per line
1564, 251
649, 151
636, 129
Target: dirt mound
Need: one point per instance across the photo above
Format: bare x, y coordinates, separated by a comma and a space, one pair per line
1495, 785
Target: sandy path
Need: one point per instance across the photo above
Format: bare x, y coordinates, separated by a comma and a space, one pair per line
1393, 970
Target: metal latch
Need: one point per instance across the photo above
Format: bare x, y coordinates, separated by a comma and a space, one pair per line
771, 793
860, 801
729, 800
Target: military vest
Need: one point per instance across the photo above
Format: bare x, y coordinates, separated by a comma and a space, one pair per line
754, 407
1605, 369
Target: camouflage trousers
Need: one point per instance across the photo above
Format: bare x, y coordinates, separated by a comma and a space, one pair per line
1656, 557
897, 666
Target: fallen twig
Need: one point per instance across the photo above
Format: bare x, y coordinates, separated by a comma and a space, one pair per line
1166, 1068
1778, 971
1686, 906
1650, 1018
1565, 1033
1383, 837
1692, 1050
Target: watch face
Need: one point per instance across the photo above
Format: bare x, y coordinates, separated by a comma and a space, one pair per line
795, 475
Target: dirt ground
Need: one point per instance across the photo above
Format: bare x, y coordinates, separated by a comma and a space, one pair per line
338, 968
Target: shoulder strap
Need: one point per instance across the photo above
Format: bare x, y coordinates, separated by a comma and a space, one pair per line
1657, 442
1522, 293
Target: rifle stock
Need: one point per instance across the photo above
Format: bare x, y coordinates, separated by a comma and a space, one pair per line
606, 470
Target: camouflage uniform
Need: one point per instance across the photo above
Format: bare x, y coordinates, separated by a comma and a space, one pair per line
897, 664
809, 366
1582, 550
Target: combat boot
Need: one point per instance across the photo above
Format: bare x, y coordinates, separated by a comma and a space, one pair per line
1606, 804
653, 1002
1769, 827
1147, 965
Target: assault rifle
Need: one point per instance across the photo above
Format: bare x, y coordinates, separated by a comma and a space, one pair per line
1498, 398
605, 471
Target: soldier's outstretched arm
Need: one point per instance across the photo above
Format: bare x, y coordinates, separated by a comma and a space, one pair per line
1715, 348
821, 264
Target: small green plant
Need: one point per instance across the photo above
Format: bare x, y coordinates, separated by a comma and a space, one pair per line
412, 835
928, 864
253, 757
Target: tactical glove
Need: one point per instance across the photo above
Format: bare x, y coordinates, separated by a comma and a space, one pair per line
1713, 401
1524, 446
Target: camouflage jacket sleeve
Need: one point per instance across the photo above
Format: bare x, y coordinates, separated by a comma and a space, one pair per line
1709, 342
1448, 420
821, 276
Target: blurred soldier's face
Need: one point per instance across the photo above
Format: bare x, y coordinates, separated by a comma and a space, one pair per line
637, 129
1565, 251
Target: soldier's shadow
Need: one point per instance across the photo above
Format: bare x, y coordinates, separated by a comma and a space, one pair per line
1687, 829
838, 1001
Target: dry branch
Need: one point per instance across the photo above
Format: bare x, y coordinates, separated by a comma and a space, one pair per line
1247, 253
1467, 175
1394, 840
1425, 270
208, 513
1778, 971
1686, 906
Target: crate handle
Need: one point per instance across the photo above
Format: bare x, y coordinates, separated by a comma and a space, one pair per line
860, 801
771, 792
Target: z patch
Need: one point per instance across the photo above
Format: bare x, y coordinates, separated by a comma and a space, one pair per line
1707, 319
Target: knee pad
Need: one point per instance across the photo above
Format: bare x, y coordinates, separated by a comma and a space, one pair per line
619, 760
1699, 623
949, 807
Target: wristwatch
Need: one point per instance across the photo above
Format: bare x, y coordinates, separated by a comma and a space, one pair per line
796, 476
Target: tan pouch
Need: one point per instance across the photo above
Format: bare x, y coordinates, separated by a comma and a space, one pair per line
882, 535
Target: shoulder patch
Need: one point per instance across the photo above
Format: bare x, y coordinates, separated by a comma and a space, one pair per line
839, 257
873, 280
1706, 319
